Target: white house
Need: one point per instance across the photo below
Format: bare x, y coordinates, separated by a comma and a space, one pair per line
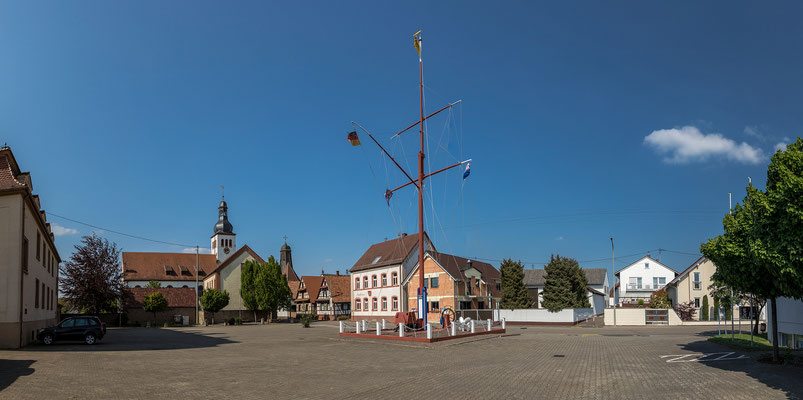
790, 322
639, 279
376, 289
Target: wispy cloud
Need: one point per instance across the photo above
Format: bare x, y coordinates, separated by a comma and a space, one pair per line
688, 144
559, 238
782, 144
59, 230
202, 250
753, 131
328, 260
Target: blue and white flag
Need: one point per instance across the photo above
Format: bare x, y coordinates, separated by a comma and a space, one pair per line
468, 171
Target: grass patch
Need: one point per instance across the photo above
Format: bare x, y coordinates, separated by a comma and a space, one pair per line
742, 341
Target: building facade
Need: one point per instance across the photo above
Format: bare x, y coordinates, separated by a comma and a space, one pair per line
638, 280
790, 322
375, 279
455, 282
29, 261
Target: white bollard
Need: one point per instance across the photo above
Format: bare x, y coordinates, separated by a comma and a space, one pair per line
378, 329
383, 323
363, 325
489, 325
401, 329
503, 323
472, 326
342, 327
454, 329
358, 327
429, 331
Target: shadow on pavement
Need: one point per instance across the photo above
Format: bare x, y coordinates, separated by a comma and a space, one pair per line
10, 370
138, 339
785, 378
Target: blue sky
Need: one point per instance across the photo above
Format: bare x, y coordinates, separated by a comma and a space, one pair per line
584, 121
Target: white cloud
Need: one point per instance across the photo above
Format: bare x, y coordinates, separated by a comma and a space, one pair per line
328, 260
557, 238
780, 146
688, 144
59, 230
202, 250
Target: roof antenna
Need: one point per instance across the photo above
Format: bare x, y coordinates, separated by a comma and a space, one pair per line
222, 193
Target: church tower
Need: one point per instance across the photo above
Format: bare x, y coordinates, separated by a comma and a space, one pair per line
224, 239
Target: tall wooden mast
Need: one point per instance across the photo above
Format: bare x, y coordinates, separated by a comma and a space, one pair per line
422, 291
419, 183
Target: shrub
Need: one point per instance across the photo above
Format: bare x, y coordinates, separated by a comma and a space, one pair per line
343, 317
641, 303
686, 311
306, 319
704, 311
659, 299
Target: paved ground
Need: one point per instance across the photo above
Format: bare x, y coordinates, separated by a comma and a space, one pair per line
287, 361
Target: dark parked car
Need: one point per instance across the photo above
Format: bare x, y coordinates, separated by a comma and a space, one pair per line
87, 329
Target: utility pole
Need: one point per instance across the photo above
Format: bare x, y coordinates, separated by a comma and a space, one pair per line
196, 284
613, 275
730, 211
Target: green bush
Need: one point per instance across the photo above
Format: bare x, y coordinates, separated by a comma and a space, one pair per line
306, 319
659, 299
641, 303
704, 311
343, 317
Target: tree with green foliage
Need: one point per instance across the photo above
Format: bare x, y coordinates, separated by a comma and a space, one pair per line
566, 285
248, 286
154, 303
704, 311
154, 285
214, 300
716, 308
659, 299
272, 290
514, 293
760, 251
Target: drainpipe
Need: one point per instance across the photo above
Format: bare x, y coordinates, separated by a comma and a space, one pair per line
22, 273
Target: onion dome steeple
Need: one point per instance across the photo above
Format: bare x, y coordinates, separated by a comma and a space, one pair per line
223, 225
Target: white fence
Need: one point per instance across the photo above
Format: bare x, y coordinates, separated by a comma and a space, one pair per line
636, 316
541, 315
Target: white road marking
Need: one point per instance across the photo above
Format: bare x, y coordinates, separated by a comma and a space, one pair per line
703, 357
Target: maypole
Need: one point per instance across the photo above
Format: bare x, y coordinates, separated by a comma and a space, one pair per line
419, 183
422, 291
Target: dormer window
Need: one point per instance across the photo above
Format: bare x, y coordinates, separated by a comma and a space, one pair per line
169, 270
376, 260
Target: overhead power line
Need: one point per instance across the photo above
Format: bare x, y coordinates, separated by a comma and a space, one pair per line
120, 233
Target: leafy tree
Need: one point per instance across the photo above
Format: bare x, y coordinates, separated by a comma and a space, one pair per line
659, 299
92, 279
154, 285
704, 311
248, 286
214, 300
566, 285
760, 251
272, 290
514, 293
154, 302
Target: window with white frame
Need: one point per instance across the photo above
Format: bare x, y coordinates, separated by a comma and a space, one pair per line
696, 302
374, 304
697, 285
394, 277
356, 283
384, 280
373, 281
646, 265
395, 303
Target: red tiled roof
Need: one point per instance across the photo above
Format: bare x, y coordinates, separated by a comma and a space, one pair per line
151, 266
339, 288
290, 273
176, 297
389, 252
312, 284
293, 288
236, 254
455, 266
9, 172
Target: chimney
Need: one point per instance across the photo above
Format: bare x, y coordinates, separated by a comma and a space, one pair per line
337, 272
404, 234
648, 253
469, 263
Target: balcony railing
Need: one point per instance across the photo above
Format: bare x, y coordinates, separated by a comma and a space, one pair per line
632, 286
697, 285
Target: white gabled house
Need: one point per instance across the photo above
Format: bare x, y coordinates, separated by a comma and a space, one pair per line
639, 279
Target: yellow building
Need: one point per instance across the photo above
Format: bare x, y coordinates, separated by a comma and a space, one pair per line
28, 258
692, 286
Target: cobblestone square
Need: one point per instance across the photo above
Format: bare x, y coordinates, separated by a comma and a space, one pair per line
287, 361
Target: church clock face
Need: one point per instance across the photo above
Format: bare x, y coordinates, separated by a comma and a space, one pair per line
226, 250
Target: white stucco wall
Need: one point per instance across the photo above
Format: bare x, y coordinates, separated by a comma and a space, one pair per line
637, 269
378, 292
543, 315
790, 317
